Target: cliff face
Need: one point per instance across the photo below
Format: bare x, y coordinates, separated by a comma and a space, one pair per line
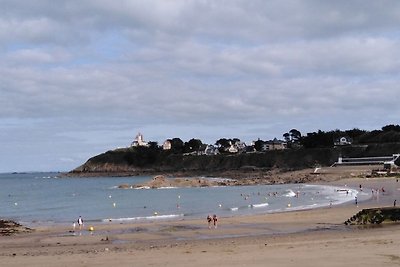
133, 160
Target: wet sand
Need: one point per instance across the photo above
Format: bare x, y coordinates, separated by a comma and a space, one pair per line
302, 238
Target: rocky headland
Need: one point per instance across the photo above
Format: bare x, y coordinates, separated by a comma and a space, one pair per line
271, 167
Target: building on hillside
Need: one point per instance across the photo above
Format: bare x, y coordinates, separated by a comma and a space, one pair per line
211, 150
264, 147
139, 141
393, 165
232, 148
275, 144
241, 147
167, 145
343, 141
249, 149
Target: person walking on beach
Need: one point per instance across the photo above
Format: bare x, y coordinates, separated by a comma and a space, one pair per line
215, 220
209, 219
80, 223
356, 201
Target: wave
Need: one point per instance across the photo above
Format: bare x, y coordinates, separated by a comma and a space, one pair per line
290, 193
305, 207
148, 187
141, 218
296, 208
261, 205
47, 177
113, 187
253, 206
218, 179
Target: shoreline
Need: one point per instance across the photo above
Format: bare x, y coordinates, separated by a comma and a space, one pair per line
257, 206
349, 177
295, 238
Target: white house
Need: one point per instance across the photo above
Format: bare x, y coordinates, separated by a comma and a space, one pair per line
343, 141
167, 145
211, 150
139, 141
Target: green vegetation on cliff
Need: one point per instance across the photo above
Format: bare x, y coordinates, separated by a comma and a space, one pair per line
152, 159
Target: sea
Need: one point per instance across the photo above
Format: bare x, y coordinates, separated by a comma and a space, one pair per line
51, 198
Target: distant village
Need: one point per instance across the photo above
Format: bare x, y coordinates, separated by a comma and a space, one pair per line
293, 140
230, 146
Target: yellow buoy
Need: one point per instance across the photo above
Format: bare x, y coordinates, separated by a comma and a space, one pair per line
91, 228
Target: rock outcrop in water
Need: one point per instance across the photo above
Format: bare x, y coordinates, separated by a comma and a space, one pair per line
161, 181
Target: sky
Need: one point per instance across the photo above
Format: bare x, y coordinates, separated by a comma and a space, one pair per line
78, 78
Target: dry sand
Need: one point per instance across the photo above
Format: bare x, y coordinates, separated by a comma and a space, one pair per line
303, 238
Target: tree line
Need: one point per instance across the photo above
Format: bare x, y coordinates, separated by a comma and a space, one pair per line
293, 139
387, 134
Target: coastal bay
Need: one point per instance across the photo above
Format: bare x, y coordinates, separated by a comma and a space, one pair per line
300, 238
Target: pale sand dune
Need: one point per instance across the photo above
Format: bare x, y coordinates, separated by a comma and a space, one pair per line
307, 238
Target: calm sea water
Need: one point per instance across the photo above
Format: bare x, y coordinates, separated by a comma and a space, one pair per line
45, 198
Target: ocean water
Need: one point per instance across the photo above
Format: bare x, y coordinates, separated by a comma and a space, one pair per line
48, 198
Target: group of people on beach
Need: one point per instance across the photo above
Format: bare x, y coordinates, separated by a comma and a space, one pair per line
213, 219
79, 222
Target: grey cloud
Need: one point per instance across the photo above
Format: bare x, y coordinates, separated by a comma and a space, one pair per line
36, 57
157, 89
208, 20
95, 72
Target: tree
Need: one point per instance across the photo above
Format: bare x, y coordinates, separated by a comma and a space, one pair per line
318, 139
286, 137
235, 140
355, 133
391, 127
295, 135
153, 145
223, 144
192, 145
176, 145
258, 145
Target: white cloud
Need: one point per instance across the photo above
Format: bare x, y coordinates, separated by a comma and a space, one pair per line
36, 56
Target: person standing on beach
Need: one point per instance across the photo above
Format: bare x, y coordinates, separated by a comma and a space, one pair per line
394, 203
80, 223
215, 220
209, 219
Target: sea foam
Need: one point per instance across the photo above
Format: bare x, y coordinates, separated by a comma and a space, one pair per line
142, 218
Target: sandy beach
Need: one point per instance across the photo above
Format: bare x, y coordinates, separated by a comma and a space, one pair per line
301, 238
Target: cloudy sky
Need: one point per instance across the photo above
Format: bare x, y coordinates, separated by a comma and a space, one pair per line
78, 78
